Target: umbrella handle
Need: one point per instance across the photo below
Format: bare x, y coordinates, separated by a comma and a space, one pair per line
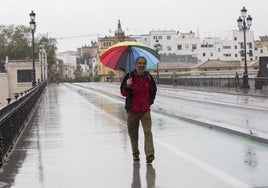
129, 75
130, 52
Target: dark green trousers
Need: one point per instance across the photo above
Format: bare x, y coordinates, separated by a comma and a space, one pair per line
133, 131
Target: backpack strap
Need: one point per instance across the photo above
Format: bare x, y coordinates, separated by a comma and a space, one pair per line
148, 75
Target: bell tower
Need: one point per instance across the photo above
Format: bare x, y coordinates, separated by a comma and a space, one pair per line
119, 35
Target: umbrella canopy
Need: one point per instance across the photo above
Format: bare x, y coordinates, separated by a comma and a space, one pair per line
122, 56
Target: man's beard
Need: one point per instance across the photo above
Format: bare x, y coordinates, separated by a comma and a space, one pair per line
141, 70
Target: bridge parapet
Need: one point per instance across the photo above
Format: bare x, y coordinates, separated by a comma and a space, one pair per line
15, 115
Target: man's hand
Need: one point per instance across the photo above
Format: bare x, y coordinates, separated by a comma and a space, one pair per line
129, 82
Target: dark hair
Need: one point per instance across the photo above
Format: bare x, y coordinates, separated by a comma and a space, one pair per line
141, 57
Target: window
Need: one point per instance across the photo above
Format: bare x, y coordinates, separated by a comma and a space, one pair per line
249, 45
194, 47
211, 54
24, 75
179, 47
226, 47
168, 48
204, 54
235, 47
206, 45
235, 38
186, 46
250, 53
168, 37
242, 53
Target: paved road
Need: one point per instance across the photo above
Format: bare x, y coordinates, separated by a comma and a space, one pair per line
78, 138
227, 109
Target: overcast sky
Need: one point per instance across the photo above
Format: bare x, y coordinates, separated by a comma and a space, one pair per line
63, 18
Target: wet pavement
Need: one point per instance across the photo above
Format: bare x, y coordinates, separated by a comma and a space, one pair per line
78, 138
240, 112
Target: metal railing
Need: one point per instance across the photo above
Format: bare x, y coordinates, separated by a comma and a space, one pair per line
214, 81
15, 115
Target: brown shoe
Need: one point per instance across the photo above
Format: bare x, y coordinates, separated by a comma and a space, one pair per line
150, 159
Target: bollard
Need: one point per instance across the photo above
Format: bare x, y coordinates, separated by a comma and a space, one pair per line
8, 100
16, 95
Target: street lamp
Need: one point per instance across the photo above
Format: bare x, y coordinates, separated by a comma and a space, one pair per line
244, 24
157, 47
42, 54
44, 62
32, 27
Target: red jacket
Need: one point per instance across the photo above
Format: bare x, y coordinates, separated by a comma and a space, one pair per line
140, 96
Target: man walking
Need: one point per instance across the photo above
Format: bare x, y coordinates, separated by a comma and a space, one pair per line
139, 88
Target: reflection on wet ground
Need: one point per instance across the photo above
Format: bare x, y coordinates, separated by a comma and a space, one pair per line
150, 176
78, 138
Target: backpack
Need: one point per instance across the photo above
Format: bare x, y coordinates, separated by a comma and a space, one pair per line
128, 100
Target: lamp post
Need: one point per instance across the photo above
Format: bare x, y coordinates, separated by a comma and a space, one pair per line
44, 64
32, 27
42, 60
244, 22
157, 47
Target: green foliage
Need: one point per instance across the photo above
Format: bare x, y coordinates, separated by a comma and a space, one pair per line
111, 75
16, 43
50, 45
174, 76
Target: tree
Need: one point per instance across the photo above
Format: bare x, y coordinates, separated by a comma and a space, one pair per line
50, 45
15, 42
111, 75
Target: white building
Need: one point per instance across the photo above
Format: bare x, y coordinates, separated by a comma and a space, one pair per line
187, 45
18, 77
68, 57
69, 71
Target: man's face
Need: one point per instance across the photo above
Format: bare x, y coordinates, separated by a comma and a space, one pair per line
140, 65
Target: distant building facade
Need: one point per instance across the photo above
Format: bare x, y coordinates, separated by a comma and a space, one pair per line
179, 49
187, 47
106, 42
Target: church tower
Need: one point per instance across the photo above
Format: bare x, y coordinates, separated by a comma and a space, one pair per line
119, 35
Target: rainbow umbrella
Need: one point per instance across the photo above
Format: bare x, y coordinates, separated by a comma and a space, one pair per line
122, 56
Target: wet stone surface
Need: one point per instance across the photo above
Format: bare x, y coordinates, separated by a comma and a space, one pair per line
78, 138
